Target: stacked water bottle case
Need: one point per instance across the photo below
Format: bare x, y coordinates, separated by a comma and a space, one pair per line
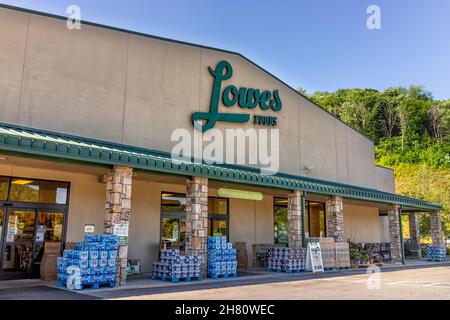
435, 253
90, 263
222, 261
289, 260
175, 267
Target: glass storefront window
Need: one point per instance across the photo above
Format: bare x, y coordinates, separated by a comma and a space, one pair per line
50, 227
219, 228
173, 233
27, 190
173, 227
316, 213
218, 206
1, 227
4, 187
17, 255
280, 220
173, 202
315, 224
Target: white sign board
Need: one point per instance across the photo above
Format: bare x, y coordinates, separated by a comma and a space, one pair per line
314, 259
40, 233
89, 228
121, 229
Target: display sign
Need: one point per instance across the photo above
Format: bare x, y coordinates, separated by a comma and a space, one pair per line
314, 259
89, 228
13, 224
40, 233
121, 230
246, 98
240, 194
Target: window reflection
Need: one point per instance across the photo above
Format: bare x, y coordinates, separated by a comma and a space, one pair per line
26, 190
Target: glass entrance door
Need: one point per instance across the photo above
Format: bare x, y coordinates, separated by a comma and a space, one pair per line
18, 240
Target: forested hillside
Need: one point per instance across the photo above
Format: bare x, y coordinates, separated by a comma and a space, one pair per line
411, 131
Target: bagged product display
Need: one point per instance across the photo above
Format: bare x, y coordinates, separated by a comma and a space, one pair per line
175, 267
328, 249
281, 259
222, 259
342, 255
436, 253
380, 251
90, 263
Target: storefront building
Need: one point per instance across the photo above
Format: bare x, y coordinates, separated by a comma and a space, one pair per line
85, 139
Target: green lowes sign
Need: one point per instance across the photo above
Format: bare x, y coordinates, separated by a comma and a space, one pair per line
246, 98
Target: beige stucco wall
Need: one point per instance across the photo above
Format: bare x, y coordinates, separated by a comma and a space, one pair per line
131, 89
385, 179
384, 229
361, 224
251, 222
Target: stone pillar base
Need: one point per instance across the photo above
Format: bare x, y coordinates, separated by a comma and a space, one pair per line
335, 218
295, 219
197, 220
436, 229
394, 233
118, 210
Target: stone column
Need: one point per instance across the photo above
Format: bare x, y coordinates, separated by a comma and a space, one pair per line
394, 233
197, 220
436, 229
415, 233
335, 218
118, 210
295, 219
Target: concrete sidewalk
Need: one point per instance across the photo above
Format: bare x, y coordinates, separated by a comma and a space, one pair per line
144, 285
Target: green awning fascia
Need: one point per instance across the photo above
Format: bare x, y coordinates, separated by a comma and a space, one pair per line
30, 141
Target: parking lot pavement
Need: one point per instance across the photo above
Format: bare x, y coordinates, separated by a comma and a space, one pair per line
426, 283
399, 282
41, 293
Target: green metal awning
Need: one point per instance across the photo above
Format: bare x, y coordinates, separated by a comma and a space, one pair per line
36, 142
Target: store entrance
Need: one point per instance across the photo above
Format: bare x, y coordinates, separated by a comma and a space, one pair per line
32, 213
25, 232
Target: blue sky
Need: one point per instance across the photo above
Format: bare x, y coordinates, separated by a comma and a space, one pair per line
316, 44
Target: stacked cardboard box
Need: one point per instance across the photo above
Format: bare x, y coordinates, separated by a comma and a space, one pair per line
342, 255
89, 263
242, 258
328, 249
175, 267
222, 260
286, 259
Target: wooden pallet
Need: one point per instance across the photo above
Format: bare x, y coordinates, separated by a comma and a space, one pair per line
222, 276
177, 279
285, 271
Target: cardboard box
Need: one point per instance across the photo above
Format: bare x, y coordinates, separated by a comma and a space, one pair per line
69, 246
240, 246
52, 248
242, 259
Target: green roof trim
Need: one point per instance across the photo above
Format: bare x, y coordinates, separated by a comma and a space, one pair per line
36, 142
